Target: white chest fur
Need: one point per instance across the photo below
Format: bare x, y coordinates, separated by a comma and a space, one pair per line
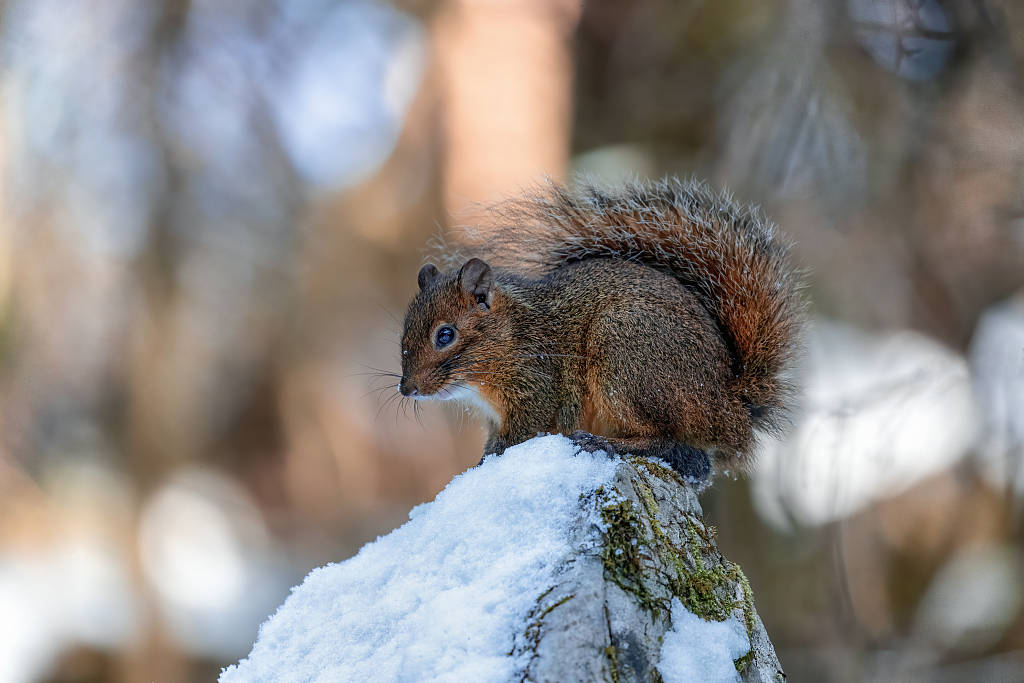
468, 395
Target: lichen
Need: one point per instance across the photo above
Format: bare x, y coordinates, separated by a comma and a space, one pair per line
536, 618
535, 623
701, 592
647, 497
622, 550
662, 472
742, 663
702, 535
613, 662
558, 603
748, 598
611, 652
641, 558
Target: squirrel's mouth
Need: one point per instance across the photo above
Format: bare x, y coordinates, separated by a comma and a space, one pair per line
440, 386
421, 390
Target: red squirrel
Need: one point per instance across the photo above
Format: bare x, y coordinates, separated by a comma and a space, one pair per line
657, 319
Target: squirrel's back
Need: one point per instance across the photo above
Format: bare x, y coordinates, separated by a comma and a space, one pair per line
728, 254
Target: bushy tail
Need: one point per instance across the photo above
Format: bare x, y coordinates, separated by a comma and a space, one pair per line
727, 253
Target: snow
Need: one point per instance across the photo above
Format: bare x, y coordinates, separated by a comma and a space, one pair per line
441, 597
699, 650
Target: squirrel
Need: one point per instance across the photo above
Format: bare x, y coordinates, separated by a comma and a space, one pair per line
659, 319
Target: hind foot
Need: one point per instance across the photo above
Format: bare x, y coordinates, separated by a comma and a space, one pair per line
693, 463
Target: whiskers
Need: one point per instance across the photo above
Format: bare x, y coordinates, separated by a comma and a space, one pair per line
401, 405
394, 399
371, 371
391, 379
463, 378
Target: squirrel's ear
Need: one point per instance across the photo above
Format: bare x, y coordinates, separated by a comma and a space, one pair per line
476, 279
427, 275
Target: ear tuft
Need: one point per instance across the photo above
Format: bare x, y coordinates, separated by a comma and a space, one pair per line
477, 280
427, 275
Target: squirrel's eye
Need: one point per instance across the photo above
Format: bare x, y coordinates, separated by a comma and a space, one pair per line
445, 336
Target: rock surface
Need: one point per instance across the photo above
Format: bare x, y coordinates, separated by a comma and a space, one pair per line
607, 615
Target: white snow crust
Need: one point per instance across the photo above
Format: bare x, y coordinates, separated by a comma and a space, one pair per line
699, 650
442, 597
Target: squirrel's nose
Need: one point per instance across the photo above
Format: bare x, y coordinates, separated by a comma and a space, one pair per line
408, 388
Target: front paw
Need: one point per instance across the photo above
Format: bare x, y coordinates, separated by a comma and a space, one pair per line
488, 454
590, 443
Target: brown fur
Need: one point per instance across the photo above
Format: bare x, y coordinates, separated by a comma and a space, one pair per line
661, 317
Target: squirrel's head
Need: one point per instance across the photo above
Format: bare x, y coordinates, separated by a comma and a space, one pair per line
441, 327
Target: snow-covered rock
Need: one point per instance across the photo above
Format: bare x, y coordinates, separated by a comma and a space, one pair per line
544, 564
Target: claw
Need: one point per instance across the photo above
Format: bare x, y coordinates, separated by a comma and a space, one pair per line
590, 443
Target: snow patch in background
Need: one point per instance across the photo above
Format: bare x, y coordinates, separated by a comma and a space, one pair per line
973, 599
207, 557
997, 361
442, 597
881, 412
699, 650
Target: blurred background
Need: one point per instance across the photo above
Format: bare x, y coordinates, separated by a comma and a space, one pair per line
212, 218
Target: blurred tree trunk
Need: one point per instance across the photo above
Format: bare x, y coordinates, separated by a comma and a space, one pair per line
506, 77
